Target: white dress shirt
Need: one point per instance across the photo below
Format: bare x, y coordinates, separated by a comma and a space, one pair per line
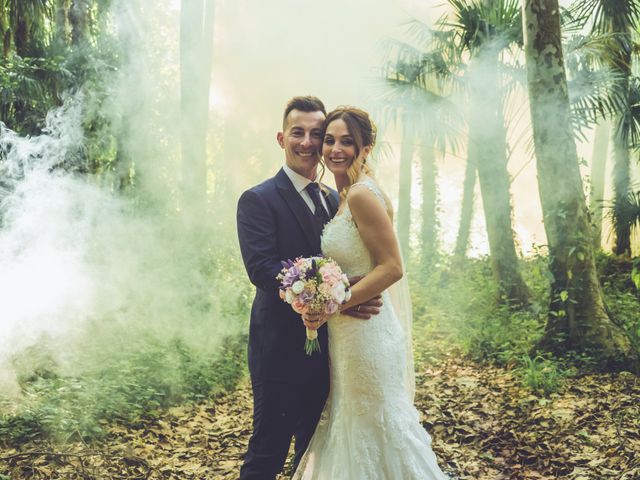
300, 183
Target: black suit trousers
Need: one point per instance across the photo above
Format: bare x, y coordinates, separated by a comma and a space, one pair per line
281, 411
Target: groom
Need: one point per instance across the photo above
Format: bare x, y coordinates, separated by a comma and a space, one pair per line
282, 218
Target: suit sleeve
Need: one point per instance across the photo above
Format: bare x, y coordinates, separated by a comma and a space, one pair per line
257, 236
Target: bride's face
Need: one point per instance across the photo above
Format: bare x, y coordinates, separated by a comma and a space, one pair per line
338, 147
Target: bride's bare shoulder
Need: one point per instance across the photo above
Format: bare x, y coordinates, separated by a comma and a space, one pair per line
364, 193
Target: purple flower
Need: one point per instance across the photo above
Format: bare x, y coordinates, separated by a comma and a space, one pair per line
291, 276
306, 296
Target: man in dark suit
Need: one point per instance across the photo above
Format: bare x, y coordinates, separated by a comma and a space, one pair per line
282, 218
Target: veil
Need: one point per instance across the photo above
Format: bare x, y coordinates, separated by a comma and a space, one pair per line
401, 301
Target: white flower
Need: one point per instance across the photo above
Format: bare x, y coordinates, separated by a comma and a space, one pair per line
347, 296
338, 292
325, 289
288, 296
297, 287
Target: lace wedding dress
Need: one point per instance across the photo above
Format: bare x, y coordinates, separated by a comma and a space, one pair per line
369, 429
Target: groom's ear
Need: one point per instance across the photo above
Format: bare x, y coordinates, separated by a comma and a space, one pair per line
280, 138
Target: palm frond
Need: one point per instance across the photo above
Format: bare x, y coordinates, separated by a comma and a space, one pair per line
628, 122
596, 50
624, 212
592, 95
478, 24
607, 16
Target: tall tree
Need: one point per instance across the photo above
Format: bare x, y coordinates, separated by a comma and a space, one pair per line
79, 20
404, 192
417, 102
487, 28
578, 319
466, 211
619, 19
196, 49
429, 225
598, 172
62, 8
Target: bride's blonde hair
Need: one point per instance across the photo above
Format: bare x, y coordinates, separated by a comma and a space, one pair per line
363, 131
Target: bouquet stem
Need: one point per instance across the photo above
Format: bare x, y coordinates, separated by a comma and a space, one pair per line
311, 345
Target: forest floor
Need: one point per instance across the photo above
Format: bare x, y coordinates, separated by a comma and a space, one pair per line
484, 424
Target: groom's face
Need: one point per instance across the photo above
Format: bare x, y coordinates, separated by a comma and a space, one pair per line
301, 141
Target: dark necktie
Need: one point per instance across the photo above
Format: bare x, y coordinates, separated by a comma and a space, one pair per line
320, 214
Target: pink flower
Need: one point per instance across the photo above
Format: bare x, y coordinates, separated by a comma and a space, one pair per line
299, 307
330, 273
331, 308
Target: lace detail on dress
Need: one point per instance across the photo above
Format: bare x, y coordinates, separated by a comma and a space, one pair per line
369, 428
342, 231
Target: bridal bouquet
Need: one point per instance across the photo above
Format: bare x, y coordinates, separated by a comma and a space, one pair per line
313, 285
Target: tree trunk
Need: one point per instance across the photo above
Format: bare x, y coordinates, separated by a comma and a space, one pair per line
621, 180
5, 31
621, 64
21, 35
429, 204
488, 150
79, 20
466, 213
578, 319
598, 171
62, 21
196, 45
404, 195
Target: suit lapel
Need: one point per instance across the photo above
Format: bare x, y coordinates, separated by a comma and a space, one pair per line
299, 209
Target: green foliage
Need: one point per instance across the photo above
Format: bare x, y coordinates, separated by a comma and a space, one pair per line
618, 277
139, 383
465, 296
541, 374
457, 303
29, 88
635, 273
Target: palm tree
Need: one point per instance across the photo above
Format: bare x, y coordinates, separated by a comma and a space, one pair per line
466, 211
618, 18
598, 170
25, 22
485, 31
578, 319
417, 101
467, 52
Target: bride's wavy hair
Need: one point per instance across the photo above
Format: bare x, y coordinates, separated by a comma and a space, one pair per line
363, 131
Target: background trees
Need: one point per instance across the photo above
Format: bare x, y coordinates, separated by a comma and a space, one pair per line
578, 319
472, 46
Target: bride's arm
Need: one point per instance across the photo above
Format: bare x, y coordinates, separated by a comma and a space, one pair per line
376, 231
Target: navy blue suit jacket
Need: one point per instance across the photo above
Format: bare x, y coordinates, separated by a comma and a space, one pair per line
275, 224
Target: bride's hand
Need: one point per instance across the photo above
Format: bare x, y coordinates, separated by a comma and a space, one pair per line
314, 321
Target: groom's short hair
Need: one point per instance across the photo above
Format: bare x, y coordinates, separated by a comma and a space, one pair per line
307, 103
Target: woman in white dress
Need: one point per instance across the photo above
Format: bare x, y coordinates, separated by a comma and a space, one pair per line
369, 428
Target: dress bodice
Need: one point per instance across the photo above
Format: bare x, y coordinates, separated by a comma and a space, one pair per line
341, 240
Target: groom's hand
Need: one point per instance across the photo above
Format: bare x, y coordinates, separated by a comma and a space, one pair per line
365, 310
314, 321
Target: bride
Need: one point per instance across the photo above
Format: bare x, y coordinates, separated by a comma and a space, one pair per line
369, 428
